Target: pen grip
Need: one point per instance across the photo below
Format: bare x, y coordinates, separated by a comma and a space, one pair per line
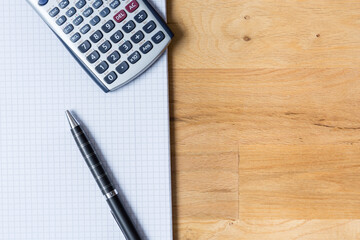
122, 218
92, 160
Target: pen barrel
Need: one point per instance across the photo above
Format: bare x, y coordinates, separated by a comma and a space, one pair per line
122, 218
92, 160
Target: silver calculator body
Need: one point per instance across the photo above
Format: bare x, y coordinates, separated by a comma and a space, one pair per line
113, 40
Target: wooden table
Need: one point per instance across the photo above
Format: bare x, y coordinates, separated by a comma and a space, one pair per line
265, 117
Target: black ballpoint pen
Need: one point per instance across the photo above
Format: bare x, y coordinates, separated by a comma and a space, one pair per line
103, 181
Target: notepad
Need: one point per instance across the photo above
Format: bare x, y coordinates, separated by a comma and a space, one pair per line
47, 191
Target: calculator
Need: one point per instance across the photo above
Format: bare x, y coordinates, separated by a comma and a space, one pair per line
113, 40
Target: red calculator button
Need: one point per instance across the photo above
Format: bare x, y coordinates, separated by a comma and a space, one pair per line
132, 6
120, 16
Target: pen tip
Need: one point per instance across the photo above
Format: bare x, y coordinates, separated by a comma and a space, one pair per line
72, 121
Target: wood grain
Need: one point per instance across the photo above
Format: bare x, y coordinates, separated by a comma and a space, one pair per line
299, 182
265, 119
266, 106
265, 33
207, 178
270, 229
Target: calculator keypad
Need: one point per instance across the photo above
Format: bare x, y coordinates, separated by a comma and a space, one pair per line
107, 27
61, 20
138, 36
71, 12
93, 57
80, 4
68, 29
115, 34
114, 4
77, 21
55, 11
132, 6
105, 47
126, 47
95, 20
88, 12
85, 29
102, 67
122, 68
105, 12
43, 2
134, 58
114, 57
63, 4
149, 27
97, 4
141, 16
120, 16
74, 38
158, 37
85, 46
96, 37
147, 47
129, 26
110, 78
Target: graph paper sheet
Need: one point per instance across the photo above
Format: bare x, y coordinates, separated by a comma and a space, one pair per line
46, 190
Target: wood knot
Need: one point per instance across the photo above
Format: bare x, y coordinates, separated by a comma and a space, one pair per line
247, 17
318, 35
246, 38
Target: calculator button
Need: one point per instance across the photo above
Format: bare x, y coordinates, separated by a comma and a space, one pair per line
93, 57
97, 36
137, 37
71, 12
85, 46
114, 57
80, 4
158, 37
120, 16
77, 21
141, 16
105, 12
88, 12
61, 20
146, 47
127, 46
110, 78
108, 26
55, 11
97, 4
85, 29
95, 20
43, 2
75, 37
102, 67
149, 27
105, 47
63, 4
129, 26
114, 4
132, 6
123, 67
134, 58
117, 36
68, 29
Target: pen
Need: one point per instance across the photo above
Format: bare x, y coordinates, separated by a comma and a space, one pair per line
103, 181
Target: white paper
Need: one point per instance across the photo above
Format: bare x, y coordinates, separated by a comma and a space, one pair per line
47, 191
